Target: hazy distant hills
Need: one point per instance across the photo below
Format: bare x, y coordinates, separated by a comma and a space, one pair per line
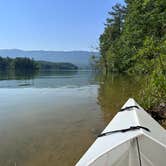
79, 58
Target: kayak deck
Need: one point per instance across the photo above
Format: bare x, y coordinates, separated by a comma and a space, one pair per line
132, 148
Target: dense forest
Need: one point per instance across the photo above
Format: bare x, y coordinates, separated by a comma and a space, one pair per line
29, 65
134, 42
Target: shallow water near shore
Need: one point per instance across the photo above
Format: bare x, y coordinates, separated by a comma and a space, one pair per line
53, 117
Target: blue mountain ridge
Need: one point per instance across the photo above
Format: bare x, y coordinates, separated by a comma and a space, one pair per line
79, 58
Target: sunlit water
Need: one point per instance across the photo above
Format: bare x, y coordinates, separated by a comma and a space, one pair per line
51, 118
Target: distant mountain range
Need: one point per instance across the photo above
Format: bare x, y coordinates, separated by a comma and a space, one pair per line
78, 58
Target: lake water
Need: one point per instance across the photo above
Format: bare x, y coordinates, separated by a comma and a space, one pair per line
51, 118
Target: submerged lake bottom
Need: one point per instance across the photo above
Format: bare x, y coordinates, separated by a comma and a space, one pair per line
47, 126
54, 120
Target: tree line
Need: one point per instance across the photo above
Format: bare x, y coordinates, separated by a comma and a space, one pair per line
29, 65
45, 65
18, 64
134, 42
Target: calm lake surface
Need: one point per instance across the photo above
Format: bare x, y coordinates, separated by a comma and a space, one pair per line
51, 118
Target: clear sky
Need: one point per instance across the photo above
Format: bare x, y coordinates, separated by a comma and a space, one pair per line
52, 24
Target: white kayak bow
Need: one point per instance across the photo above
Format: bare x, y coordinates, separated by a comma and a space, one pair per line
132, 138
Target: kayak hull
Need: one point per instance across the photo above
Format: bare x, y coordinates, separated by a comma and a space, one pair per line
131, 148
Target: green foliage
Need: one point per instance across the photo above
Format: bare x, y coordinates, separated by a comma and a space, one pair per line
134, 41
133, 36
18, 64
44, 65
25, 64
5, 63
113, 30
146, 58
154, 92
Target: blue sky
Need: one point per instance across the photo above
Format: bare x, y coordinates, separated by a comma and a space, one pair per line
52, 24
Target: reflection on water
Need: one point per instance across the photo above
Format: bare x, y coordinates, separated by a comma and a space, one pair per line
46, 79
114, 91
53, 117
17, 75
